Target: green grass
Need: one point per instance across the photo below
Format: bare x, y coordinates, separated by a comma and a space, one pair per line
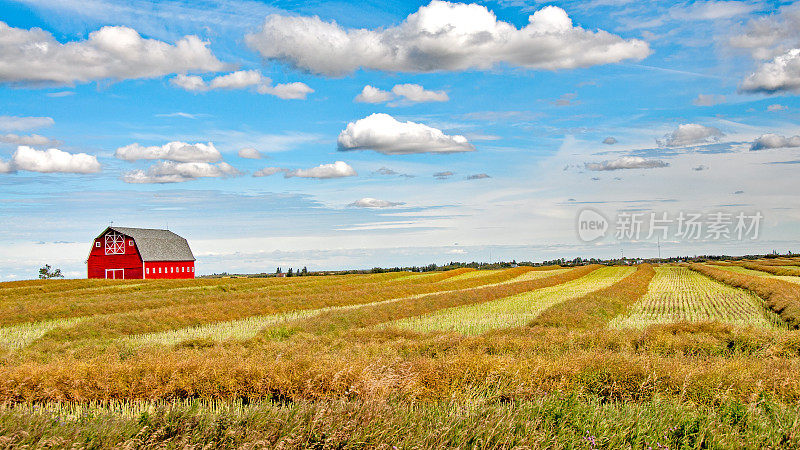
678, 294
511, 311
549, 422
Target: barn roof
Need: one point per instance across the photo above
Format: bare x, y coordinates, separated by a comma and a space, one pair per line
157, 245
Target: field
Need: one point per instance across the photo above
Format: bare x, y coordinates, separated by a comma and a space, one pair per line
664, 356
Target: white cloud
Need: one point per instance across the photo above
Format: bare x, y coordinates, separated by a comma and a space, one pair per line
766, 37
243, 79
18, 123
441, 36
708, 100
384, 134
478, 176
6, 167
443, 175
287, 91
268, 171
700, 168
782, 74
368, 202
249, 153
177, 172
173, 151
418, 94
371, 94
610, 140
34, 56
712, 10
407, 93
627, 162
777, 107
51, 160
339, 169
690, 134
33, 140
768, 141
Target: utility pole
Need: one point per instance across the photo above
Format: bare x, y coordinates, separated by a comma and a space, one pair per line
659, 247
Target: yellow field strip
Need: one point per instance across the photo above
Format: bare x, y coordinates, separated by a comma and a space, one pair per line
678, 294
511, 311
17, 336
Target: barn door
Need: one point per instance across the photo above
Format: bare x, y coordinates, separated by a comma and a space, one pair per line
115, 274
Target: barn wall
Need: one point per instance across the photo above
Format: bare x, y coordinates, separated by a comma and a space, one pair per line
169, 269
98, 261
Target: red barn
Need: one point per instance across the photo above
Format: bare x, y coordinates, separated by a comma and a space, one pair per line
122, 253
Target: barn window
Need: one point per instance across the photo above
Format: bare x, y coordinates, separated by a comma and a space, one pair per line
148, 270
130, 243
159, 270
115, 244
171, 270
97, 244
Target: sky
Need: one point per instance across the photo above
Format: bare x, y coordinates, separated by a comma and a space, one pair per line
340, 135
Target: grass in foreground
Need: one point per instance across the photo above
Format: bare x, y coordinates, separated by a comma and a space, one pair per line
678, 294
549, 422
511, 311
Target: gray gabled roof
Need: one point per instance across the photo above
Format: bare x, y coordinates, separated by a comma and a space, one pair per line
157, 245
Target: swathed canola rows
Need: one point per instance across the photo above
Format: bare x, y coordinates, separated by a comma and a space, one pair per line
758, 273
516, 310
678, 294
249, 327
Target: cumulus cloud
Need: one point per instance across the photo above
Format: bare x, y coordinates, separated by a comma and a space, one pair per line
441, 36
172, 151
388, 171
249, 153
384, 134
690, 134
368, 202
782, 74
417, 94
443, 175
18, 123
371, 94
768, 141
627, 162
610, 140
478, 176
243, 79
700, 168
51, 160
777, 107
33, 140
768, 36
406, 93
708, 100
339, 169
178, 172
268, 171
34, 56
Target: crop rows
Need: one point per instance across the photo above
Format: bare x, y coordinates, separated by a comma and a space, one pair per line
759, 273
516, 310
678, 294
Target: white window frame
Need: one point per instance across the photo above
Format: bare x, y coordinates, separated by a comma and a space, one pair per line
130, 243
97, 244
115, 243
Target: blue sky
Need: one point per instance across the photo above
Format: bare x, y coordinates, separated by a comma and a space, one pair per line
481, 134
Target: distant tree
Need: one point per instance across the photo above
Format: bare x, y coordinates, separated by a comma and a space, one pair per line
46, 272
278, 270
289, 272
305, 270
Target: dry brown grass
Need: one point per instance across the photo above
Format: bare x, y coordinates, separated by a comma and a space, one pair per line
596, 309
781, 296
